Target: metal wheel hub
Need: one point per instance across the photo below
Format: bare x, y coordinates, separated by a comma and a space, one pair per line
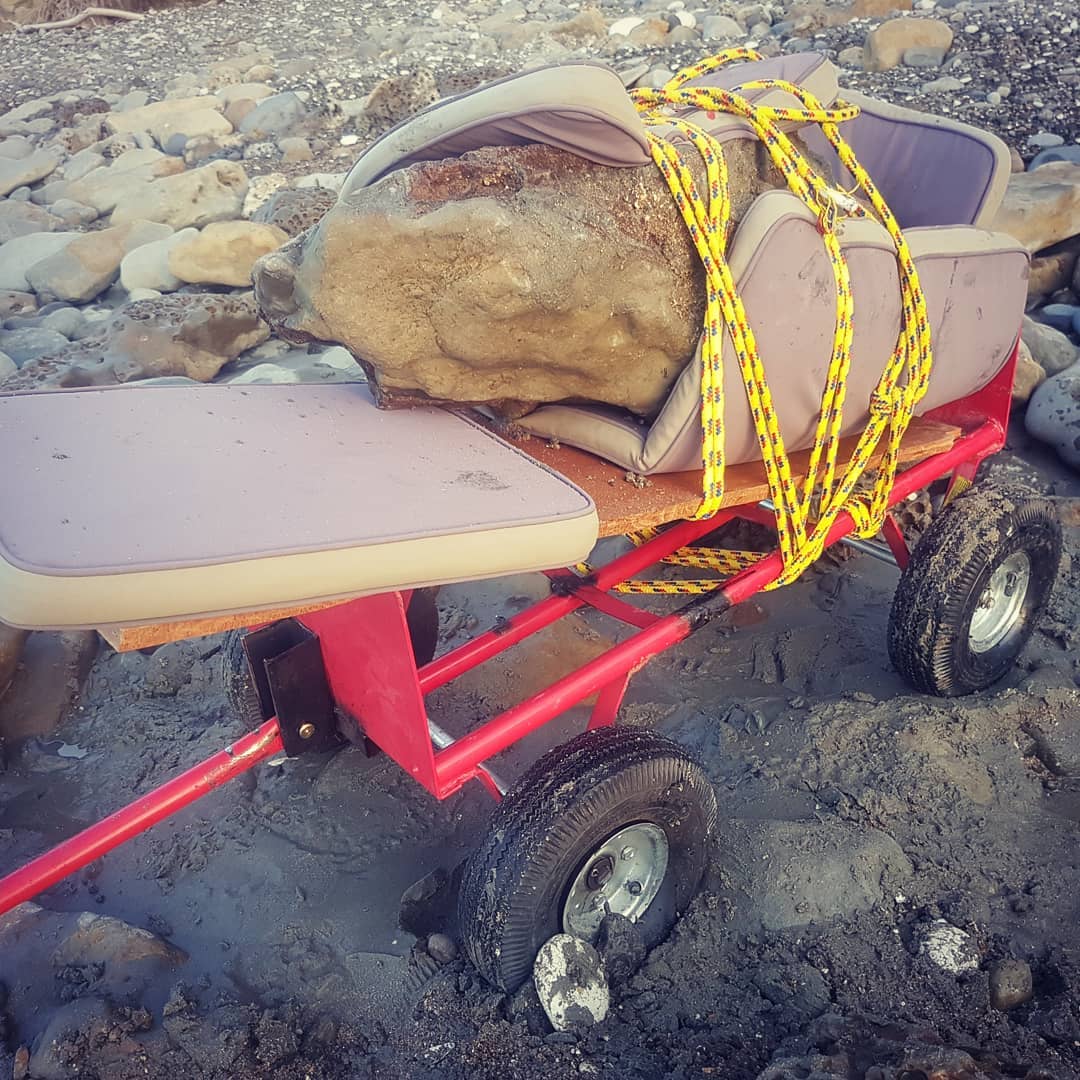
621, 877
1001, 604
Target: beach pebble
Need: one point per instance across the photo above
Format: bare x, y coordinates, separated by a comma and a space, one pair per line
949, 947
570, 982
1010, 984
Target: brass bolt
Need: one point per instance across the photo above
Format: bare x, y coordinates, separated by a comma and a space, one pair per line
306, 731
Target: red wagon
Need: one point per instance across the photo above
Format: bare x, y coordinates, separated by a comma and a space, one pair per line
614, 820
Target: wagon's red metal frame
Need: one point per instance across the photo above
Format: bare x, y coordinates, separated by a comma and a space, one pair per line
372, 674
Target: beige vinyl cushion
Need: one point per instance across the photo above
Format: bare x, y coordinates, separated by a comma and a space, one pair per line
146, 504
975, 286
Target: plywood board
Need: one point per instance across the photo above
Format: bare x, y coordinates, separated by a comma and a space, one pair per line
624, 506
129, 638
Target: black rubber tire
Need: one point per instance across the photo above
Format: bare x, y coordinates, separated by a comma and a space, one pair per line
422, 617
941, 587
240, 690
563, 808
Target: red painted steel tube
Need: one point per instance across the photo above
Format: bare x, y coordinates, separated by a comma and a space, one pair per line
456, 764
483, 647
137, 817
549, 610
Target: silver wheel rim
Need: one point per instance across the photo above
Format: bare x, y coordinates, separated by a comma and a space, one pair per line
1001, 604
621, 877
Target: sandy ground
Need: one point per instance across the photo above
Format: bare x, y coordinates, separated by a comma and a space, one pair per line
853, 815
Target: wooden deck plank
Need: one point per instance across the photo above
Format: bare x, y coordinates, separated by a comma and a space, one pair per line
624, 507
148, 635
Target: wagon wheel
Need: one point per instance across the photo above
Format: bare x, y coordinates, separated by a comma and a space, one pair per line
422, 616
616, 820
973, 591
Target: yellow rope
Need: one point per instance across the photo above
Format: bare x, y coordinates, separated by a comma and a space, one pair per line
803, 516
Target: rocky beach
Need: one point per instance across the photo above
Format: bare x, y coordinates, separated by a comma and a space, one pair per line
893, 890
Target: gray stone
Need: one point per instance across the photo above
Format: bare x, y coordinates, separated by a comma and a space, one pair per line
129, 175
947, 84
1050, 348
15, 173
21, 254
1053, 414
85, 1017
7, 367
30, 343
73, 214
134, 99
13, 302
22, 219
88, 266
147, 267
570, 982
213, 192
15, 147
1059, 316
275, 115
28, 110
924, 56
1045, 140
86, 161
851, 57
721, 28
1056, 153
192, 335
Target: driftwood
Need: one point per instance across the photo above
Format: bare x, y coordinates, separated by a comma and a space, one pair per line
81, 17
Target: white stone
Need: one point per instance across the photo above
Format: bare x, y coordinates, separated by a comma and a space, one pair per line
625, 25
147, 267
570, 982
146, 117
330, 181
7, 366
265, 373
260, 189
949, 947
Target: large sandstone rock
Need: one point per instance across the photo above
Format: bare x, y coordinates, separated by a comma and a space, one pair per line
1042, 207
224, 253
194, 336
509, 276
886, 44
214, 192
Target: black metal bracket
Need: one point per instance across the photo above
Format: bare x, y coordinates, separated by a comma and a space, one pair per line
287, 668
